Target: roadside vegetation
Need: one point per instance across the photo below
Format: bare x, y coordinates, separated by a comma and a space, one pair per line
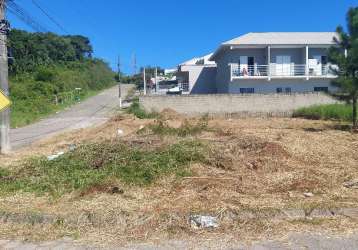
162, 128
100, 165
49, 72
341, 112
139, 112
107, 163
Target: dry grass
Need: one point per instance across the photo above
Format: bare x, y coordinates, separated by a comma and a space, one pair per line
256, 165
128, 123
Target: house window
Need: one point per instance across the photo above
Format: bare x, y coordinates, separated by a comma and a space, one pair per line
324, 60
283, 65
321, 89
247, 90
280, 90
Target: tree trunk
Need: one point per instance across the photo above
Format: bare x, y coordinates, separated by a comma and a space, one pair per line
355, 124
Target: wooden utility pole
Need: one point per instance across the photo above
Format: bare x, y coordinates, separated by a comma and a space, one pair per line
4, 83
119, 82
144, 83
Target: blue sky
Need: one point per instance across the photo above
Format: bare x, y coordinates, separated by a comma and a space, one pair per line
167, 32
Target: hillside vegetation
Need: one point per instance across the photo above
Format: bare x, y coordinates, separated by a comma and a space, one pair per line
50, 72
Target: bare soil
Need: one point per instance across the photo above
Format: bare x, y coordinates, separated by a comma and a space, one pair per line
254, 166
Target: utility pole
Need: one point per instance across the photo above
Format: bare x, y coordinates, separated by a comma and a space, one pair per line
144, 83
119, 82
134, 63
156, 80
4, 82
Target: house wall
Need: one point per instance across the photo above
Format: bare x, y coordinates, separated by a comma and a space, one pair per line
202, 78
240, 105
265, 86
297, 55
222, 72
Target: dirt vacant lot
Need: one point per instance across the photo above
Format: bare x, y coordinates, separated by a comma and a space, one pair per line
261, 178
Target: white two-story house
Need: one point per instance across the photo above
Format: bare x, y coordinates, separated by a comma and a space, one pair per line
275, 62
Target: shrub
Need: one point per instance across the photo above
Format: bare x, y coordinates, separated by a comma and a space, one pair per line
45, 75
340, 112
160, 127
139, 112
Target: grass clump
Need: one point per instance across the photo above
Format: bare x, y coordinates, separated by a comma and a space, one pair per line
342, 112
187, 128
97, 164
139, 112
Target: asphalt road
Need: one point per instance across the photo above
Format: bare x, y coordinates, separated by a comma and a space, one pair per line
93, 111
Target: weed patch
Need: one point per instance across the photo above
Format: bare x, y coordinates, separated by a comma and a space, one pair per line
139, 112
96, 164
187, 128
326, 112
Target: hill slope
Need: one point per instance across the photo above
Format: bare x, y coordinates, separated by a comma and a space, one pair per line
50, 72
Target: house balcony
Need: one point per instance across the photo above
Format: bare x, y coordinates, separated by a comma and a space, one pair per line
282, 71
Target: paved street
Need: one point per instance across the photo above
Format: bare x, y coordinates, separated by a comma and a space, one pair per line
93, 111
294, 241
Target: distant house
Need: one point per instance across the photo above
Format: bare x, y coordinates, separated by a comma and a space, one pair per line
197, 76
274, 62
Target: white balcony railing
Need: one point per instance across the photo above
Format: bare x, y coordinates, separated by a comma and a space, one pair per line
281, 70
249, 70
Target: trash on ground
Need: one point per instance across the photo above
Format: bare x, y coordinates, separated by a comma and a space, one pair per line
351, 184
72, 147
120, 132
308, 195
202, 221
55, 156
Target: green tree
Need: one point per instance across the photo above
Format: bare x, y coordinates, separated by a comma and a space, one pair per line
347, 62
82, 45
33, 50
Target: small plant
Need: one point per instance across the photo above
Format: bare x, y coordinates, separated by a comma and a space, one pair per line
139, 112
187, 128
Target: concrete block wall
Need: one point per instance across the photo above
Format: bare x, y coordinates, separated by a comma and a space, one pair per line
241, 105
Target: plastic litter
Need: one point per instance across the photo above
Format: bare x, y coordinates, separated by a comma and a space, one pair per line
203, 221
72, 147
351, 184
55, 156
308, 195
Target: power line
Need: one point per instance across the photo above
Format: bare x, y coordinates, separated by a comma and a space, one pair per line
24, 16
49, 16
